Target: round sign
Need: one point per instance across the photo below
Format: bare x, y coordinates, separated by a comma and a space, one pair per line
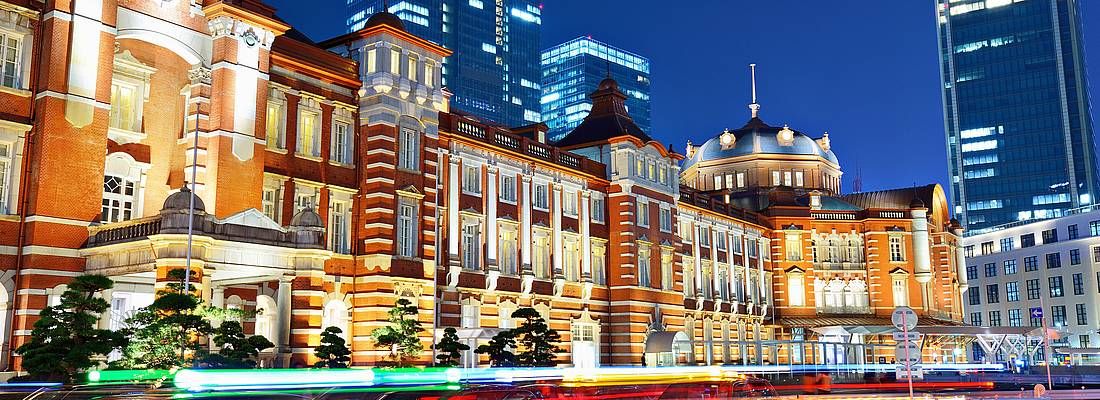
904, 318
907, 353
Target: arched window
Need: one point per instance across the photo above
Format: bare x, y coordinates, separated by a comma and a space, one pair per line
267, 318
123, 187
336, 314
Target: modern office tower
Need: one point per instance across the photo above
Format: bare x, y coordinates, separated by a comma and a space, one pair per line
1016, 110
1021, 275
572, 70
494, 72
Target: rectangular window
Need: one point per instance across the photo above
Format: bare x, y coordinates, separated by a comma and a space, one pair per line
429, 73
307, 133
643, 214
395, 60
1078, 284
305, 196
775, 178
1096, 254
971, 272
718, 182
1014, 318
599, 208
406, 229
1033, 289
1054, 260
1036, 322
704, 236
799, 179
471, 314
897, 251
1055, 283
666, 270
1094, 228
787, 181
471, 247
6, 173
1072, 230
507, 251
1007, 244
976, 318
119, 194
994, 318
990, 270
599, 263
987, 248
992, 294
975, 294
569, 203
124, 106
1012, 291
541, 197
794, 247
1050, 236
271, 203
740, 179
1031, 263
1084, 341
412, 67
1010, 267
10, 54
276, 114
1058, 316
1075, 257
340, 237
666, 220
508, 188
372, 61
643, 266
1027, 240
968, 251
570, 263
408, 156
540, 256
471, 179
341, 142
1082, 315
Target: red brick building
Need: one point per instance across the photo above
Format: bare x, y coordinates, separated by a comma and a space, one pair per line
332, 178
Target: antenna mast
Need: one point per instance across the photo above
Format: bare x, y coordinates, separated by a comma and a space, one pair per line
754, 107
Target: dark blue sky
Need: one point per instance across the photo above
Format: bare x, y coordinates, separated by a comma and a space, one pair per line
865, 71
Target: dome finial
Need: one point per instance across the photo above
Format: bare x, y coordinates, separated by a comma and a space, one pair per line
754, 107
608, 69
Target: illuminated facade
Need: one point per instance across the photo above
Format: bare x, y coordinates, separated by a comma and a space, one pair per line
572, 70
494, 70
333, 178
1016, 110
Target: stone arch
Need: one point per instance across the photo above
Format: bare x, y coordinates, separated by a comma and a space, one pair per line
267, 317
190, 47
337, 312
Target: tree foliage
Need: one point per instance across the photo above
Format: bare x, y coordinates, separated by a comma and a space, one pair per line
65, 338
536, 340
333, 350
499, 349
168, 333
401, 337
449, 349
235, 350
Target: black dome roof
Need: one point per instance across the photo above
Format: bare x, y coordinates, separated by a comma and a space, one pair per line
181, 200
385, 17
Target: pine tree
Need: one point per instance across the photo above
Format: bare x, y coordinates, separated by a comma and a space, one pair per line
499, 349
235, 349
65, 337
449, 349
168, 333
401, 337
333, 350
538, 341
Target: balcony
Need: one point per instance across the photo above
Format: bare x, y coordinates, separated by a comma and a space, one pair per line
847, 310
504, 139
839, 266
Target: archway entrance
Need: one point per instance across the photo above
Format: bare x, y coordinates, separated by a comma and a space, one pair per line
667, 348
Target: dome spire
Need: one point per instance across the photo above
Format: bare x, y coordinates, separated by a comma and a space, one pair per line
754, 107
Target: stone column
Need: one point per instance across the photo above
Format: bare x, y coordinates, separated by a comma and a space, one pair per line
731, 280
697, 259
282, 345
960, 264
745, 257
491, 239
583, 221
759, 344
922, 264
453, 221
556, 220
525, 219
105, 317
217, 299
714, 261
761, 279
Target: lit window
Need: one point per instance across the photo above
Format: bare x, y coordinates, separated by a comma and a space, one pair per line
666, 269
471, 179
569, 203
409, 148
507, 250
308, 129
339, 234
798, 179
897, 250
599, 262
470, 315
118, 199
395, 60
372, 61
471, 247
643, 265
124, 106
305, 196
775, 178
429, 73
341, 138
794, 247
508, 187
570, 264
797, 294
740, 179
270, 202
6, 173
540, 256
412, 67
406, 228
276, 119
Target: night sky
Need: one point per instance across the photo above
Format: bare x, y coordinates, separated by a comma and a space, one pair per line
865, 71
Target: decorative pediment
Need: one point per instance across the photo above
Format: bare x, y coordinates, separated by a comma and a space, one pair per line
794, 270
254, 218
411, 191
899, 271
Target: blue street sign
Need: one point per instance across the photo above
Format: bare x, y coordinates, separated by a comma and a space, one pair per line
1036, 312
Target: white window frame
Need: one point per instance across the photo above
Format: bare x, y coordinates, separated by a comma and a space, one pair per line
540, 254
9, 175
407, 226
305, 195
122, 167
645, 261
272, 206
569, 202
508, 187
570, 257
541, 196
12, 70
276, 104
666, 219
508, 248
599, 261
339, 230
643, 213
309, 108
667, 274
471, 179
134, 75
408, 149
897, 248
342, 143
471, 245
599, 208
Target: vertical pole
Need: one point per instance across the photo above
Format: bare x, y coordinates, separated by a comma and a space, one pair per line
186, 288
1046, 343
908, 365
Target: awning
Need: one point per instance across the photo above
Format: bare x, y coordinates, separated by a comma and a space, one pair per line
662, 341
476, 333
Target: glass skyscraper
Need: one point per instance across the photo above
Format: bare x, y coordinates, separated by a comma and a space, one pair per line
1016, 110
494, 71
572, 70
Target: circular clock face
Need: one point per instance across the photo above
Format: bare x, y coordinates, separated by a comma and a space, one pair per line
250, 38
727, 138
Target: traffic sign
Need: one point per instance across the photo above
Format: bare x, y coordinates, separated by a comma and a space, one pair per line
916, 372
907, 336
904, 318
907, 353
1036, 312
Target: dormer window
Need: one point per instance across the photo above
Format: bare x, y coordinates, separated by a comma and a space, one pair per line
785, 137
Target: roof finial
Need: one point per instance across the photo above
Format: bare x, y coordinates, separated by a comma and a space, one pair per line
754, 107
385, 6
608, 69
